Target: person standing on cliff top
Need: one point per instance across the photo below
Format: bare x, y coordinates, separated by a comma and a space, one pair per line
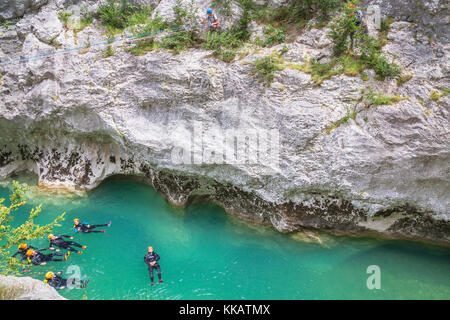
151, 259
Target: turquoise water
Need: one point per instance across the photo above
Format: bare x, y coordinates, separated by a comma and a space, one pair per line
206, 254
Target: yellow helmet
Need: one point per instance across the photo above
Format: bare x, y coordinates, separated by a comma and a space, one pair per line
30, 252
50, 236
22, 246
49, 274
150, 247
74, 220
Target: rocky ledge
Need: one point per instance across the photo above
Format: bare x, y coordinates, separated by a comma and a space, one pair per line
76, 119
26, 288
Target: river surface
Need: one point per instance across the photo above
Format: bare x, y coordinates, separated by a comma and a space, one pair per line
207, 254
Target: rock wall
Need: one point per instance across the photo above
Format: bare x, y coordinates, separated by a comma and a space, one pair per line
76, 119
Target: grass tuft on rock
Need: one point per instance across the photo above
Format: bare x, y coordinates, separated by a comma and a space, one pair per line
267, 66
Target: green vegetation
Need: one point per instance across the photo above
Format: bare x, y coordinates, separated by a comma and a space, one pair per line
345, 119
223, 7
148, 42
114, 14
86, 18
297, 13
343, 28
347, 36
108, 52
267, 66
9, 22
224, 45
117, 15
138, 15
346, 64
179, 41
378, 99
372, 57
273, 36
351, 65
11, 237
364, 76
319, 71
142, 47
64, 17
182, 39
403, 79
436, 96
385, 26
278, 19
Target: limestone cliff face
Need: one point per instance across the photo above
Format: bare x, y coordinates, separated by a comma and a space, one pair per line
75, 119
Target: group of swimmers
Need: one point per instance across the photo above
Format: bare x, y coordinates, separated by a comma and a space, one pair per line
35, 256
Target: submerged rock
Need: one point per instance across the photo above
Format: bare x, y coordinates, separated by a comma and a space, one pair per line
76, 119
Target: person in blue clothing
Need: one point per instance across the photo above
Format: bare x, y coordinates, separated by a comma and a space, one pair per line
213, 21
87, 228
151, 259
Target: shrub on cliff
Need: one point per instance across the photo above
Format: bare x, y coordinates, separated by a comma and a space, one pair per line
267, 66
117, 15
114, 13
298, 12
11, 237
179, 40
347, 36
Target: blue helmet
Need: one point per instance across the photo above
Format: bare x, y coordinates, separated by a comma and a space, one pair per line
209, 11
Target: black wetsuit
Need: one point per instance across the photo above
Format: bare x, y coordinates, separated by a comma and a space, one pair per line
23, 252
63, 244
151, 257
83, 227
40, 257
59, 282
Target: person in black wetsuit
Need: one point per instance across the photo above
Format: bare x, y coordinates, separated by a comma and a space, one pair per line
22, 250
58, 241
87, 228
151, 259
38, 258
58, 282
